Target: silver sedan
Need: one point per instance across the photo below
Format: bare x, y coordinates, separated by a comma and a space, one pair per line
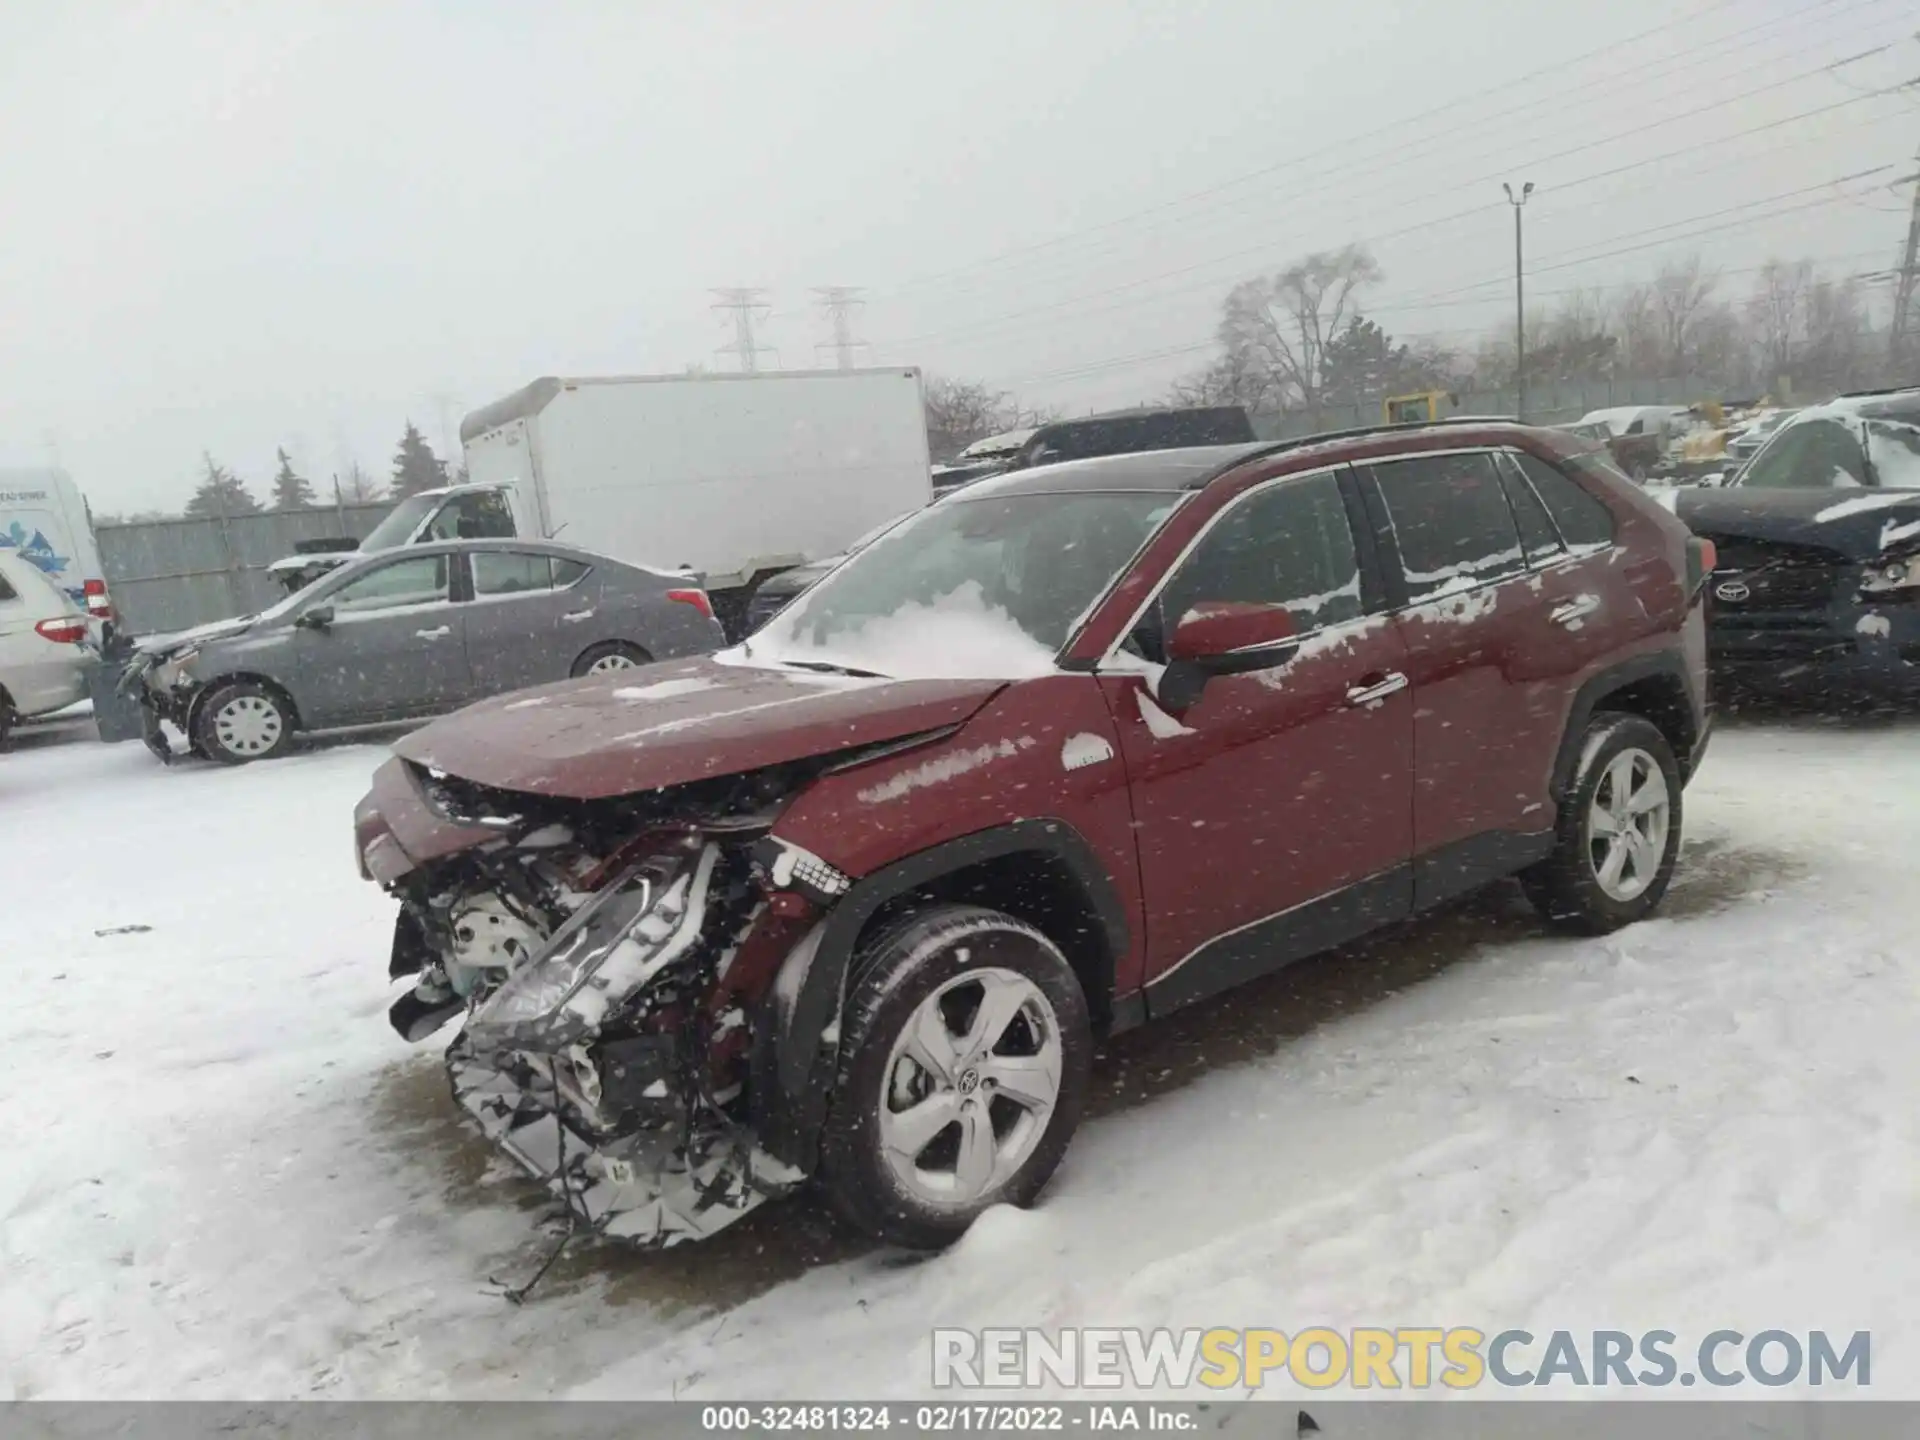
407, 634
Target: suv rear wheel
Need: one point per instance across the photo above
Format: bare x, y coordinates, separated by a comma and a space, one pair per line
965, 1050
1619, 832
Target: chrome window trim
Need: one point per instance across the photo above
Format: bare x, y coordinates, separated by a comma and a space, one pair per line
1173, 568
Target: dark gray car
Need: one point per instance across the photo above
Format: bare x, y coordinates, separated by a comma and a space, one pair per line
411, 633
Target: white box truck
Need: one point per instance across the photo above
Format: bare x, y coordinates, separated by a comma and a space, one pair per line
735, 477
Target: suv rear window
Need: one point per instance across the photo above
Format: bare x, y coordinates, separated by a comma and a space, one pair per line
1538, 537
1451, 521
1585, 523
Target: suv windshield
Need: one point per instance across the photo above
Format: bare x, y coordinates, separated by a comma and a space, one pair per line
401, 522
989, 587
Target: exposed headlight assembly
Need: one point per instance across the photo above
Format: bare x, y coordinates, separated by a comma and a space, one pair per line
617, 942
1890, 577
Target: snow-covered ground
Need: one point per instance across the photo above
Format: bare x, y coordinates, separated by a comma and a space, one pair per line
225, 1176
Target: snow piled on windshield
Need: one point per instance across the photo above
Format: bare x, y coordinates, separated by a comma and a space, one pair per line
960, 636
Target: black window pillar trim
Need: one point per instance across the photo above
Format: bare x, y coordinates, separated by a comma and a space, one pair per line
793, 1067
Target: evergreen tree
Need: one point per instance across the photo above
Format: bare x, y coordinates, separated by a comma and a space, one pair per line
415, 466
221, 493
290, 491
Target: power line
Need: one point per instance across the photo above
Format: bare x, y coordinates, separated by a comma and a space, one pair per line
1904, 319
1569, 258
745, 305
1130, 361
1266, 247
1400, 154
1448, 145
1612, 48
840, 302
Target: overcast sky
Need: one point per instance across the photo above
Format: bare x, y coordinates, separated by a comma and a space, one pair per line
234, 226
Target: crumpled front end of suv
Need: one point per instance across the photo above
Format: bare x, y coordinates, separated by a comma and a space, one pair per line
605, 956
606, 931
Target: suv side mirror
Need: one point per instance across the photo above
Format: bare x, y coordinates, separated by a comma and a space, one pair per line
1224, 638
318, 618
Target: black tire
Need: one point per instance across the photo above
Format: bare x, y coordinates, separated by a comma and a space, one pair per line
904, 965
216, 736
7, 718
1566, 887
607, 650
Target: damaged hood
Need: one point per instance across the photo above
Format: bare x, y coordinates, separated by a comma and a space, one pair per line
199, 635
1859, 524
676, 722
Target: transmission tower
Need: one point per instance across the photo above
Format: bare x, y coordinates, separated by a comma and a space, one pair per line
839, 302
745, 305
1905, 319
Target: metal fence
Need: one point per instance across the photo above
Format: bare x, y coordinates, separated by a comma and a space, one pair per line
171, 574
1555, 403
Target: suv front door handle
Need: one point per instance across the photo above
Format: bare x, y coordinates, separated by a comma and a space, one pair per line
440, 634
1578, 608
1388, 684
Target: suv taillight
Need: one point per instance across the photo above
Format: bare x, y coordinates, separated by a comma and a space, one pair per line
98, 605
1702, 558
65, 631
696, 598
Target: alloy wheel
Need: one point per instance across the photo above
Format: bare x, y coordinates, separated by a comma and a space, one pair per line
1627, 824
970, 1085
607, 664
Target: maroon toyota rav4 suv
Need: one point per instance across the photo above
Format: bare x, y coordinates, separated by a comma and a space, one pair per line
855, 900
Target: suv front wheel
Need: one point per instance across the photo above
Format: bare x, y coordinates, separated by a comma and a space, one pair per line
965, 1051
1619, 831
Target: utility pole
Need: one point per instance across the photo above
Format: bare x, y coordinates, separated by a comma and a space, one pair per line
1904, 319
839, 302
745, 304
1519, 301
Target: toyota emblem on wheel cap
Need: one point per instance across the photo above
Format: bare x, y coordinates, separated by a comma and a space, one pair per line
1733, 592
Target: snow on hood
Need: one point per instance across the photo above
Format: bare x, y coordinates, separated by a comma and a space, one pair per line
1860, 526
1859, 505
596, 737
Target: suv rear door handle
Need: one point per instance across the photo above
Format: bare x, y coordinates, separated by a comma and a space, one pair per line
1386, 685
440, 634
575, 616
1568, 611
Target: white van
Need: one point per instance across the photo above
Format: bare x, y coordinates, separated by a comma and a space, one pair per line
44, 519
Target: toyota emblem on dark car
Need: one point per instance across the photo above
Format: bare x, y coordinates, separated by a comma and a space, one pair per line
1732, 591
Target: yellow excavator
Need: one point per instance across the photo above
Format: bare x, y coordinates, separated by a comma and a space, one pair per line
1421, 409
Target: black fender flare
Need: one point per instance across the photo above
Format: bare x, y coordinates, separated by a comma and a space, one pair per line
1663, 664
793, 1065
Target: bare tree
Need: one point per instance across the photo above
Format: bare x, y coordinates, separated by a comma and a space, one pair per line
1777, 316
1279, 326
357, 487
960, 412
1840, 353
1681, 295
1234, 378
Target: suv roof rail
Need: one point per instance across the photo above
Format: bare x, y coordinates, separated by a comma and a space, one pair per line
1388, 427
1886, 390
1320, 437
